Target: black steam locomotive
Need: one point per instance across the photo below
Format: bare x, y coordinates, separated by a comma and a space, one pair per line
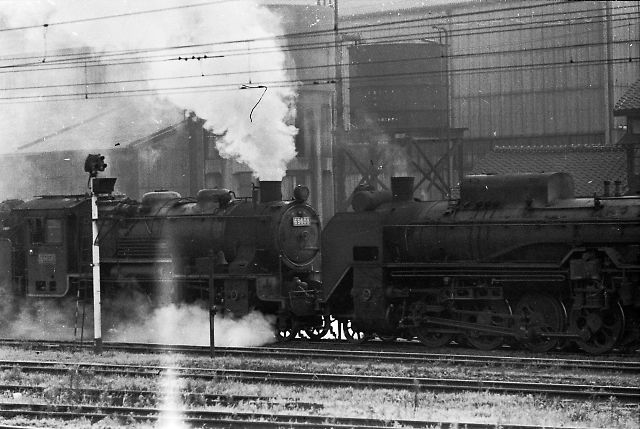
259, 252
515, 258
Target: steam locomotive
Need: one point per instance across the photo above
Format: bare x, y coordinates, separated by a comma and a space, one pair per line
250, 253
516, 259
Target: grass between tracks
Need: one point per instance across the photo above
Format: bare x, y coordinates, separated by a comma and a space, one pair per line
344, 402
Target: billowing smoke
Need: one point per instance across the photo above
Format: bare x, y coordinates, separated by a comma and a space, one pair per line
130, 318
189, 324
228, 45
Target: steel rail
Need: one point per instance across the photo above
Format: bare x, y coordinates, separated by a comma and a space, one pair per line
229, 419
573, 391
590, 364
124, 397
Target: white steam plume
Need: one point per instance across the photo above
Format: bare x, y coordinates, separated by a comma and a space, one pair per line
237, 38
131, 318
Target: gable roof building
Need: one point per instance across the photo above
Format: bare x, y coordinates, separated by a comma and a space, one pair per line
148, 145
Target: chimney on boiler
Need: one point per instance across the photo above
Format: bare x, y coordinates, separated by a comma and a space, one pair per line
402, 188
270, 190
607, 188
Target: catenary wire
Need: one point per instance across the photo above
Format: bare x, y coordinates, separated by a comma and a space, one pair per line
554, 22
272, 84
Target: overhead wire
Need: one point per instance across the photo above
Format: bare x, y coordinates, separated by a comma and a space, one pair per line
327, 66
287, 83
315, 81
324, 66
290, 36
553, 22
119, 15
163, 58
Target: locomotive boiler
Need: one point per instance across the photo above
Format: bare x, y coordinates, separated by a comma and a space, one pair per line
255, 253
515, 258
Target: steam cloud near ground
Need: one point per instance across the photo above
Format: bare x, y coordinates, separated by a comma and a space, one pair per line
236, 36
131, 318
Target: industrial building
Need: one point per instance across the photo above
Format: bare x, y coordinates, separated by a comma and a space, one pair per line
432, 91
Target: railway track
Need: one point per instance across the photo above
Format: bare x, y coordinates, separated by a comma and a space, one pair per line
127, 397
226, 419
409, 358
569, 391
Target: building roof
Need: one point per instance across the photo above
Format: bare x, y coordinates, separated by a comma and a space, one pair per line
589, 165
53, 202
629, 103
101, 126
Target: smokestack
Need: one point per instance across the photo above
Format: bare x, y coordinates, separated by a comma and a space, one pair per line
270, 190
402, 188
607, 188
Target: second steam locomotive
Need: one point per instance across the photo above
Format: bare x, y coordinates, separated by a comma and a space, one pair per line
516, 259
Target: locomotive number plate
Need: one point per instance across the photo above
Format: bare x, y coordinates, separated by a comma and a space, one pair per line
301, 221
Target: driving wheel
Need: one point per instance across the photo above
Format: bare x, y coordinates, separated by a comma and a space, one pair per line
491, 313
539, 313
601, 328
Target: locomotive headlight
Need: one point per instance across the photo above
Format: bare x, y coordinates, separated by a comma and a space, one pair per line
301, 193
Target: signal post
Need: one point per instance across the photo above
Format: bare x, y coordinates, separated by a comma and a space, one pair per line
92, 165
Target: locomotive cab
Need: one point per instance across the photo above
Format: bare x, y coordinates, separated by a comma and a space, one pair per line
56, 236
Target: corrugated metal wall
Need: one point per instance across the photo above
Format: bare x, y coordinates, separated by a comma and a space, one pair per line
540, 76
526, 72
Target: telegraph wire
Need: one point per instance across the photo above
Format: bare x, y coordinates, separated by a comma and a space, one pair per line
305, 82
554, 22
288, 36
321, 67
164, 58
120, 15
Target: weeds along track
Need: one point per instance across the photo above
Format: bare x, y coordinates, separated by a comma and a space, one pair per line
146, 398
224, 419
418, 384
391, 357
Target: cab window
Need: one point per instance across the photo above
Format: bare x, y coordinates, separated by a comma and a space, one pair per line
36, 228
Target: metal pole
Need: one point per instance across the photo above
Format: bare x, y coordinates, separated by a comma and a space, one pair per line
608, 76
95, 252
445, 81
339, 184
212, 308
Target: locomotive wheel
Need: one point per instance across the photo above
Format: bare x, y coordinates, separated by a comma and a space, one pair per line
318, 332
603, 328
430, 336
286, 329
540, 313
490, 313
287, 334
353, 336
